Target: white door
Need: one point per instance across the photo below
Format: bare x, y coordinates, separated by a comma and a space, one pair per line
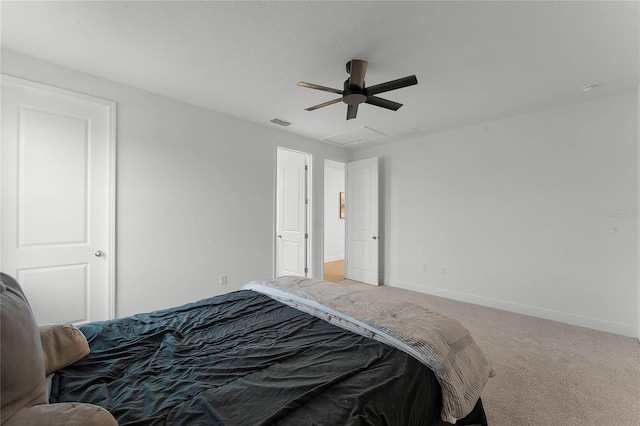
292, 235
56, 227
362, 221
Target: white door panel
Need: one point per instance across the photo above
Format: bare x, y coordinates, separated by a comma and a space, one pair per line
362, 221
52, 200
292, 264
292, 216
57, 213
44, 287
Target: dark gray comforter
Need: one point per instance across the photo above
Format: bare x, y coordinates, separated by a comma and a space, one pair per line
245, 359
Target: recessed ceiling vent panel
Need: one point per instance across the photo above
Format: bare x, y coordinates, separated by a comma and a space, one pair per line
413, 133
362, 134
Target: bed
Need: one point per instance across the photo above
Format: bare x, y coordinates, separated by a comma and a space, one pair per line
290, 351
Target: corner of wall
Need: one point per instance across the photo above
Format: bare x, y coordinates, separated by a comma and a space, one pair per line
638, 207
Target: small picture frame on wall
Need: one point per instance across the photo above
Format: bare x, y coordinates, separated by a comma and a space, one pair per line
342, 205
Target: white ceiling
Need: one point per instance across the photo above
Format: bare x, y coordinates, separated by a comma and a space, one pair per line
475, 61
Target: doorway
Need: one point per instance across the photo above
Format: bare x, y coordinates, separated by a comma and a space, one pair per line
293, 213
334, 221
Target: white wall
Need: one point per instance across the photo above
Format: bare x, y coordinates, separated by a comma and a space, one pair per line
524, 213
195, 191
334, 183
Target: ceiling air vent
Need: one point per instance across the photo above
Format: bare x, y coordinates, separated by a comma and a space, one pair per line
281, 122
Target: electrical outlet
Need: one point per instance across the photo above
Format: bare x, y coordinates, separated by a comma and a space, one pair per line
424, 268
223, 279
443, 270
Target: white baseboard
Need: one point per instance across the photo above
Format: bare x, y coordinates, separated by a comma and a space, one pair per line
333, 258
563, 317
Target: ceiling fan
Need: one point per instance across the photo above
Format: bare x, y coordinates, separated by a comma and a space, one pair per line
355, 92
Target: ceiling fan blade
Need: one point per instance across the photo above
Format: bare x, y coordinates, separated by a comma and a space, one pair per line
392, 85
318, 87
352, 111
335, 101
358, 69
384, 103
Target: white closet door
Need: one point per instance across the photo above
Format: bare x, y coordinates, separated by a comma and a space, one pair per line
57, 200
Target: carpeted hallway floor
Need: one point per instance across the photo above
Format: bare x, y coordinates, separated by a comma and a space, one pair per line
547, 373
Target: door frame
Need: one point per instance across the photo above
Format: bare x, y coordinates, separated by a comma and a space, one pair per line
324, 221
111, 220
308, 207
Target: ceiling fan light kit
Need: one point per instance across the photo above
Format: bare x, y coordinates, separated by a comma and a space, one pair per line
355, 92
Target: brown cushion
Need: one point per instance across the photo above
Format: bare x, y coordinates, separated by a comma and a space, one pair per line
64, 414
62, 344
22, 378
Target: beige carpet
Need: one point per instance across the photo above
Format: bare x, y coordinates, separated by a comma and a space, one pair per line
548, 373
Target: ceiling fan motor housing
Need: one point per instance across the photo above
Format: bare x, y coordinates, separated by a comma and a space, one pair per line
353, 95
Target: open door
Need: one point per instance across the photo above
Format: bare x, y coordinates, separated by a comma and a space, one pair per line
292, 239
362, 221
